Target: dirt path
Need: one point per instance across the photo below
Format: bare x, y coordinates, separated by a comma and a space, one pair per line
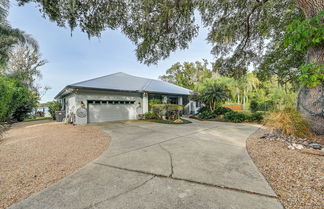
34, 155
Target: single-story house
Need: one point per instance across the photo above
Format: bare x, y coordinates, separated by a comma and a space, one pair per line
117, 97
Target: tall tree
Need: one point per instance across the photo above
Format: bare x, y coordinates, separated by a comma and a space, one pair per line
9, 36
311, 99
187, 74
24, 64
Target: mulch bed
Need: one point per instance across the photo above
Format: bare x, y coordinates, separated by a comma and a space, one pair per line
34, 155
295, 175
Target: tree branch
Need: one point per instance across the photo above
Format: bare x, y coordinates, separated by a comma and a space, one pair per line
248, 33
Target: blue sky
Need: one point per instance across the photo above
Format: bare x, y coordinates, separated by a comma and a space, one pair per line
76, 58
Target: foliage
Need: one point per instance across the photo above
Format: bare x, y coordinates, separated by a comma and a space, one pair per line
289, 121
53, 107
9, 36
206, 114
36, 119
151, 115
155, 101
24, 64
187, 74
236, 117
16, 100
222, 110
306, 34
169, 111
242, 28
303, 35
213, 95
172, 122
254, 106
311, 74
254, 117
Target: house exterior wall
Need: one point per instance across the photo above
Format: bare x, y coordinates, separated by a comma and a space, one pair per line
70, 105
78, 102
77, 107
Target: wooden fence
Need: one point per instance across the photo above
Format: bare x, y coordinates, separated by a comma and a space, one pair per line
236, 107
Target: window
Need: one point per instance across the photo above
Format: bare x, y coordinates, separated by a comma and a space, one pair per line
116, 102
173, 100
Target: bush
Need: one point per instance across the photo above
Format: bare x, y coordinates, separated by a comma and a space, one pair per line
151, 115
203, 109
289, 121
53, 107
207, 114
155, 101
222, 110
16, 100
170, 111
236, 117
254, 117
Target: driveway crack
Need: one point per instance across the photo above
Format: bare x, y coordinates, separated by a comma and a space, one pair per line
120, 194
170, 157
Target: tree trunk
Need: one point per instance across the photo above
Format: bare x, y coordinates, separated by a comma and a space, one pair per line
310, 101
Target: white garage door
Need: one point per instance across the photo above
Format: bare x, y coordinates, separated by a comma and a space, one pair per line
101, 111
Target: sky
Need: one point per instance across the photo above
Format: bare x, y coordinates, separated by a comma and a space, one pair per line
76, 58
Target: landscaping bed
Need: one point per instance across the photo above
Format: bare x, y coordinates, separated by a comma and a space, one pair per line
296, 175
181, 121
34, 155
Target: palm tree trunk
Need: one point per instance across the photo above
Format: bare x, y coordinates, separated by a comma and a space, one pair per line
310, 101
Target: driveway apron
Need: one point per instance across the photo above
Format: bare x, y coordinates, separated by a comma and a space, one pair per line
151, 165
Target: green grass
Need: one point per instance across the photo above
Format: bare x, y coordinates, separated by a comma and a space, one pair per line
42, 118
170, 121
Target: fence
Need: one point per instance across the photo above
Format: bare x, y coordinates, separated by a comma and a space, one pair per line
236, 107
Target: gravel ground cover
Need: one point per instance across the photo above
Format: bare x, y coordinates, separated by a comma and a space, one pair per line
34, 155
296, 176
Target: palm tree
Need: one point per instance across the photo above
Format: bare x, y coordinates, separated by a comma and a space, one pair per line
10, 36
213, 95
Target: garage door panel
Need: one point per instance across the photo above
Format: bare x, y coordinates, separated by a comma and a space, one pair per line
111, 112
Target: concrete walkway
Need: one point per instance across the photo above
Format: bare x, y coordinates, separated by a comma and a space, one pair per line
151, 165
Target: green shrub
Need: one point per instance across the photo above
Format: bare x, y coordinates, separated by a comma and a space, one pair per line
53, 107
222, 110
155, 101
254, 117
236, 117
203, 109
170, 111
16, 100
151, 115
207, 114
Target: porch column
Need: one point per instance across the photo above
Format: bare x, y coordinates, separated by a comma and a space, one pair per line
145, 103
180, 100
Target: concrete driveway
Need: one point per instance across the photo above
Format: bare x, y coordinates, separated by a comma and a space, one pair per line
151, 165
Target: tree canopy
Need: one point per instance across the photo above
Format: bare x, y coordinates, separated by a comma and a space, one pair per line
9, 36
239, 30
187, 74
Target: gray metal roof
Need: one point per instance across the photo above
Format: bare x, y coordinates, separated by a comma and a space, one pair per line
125, 82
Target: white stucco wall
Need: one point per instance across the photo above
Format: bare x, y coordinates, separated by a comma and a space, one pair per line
70, 105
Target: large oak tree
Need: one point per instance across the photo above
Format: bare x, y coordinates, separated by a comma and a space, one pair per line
241, 31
